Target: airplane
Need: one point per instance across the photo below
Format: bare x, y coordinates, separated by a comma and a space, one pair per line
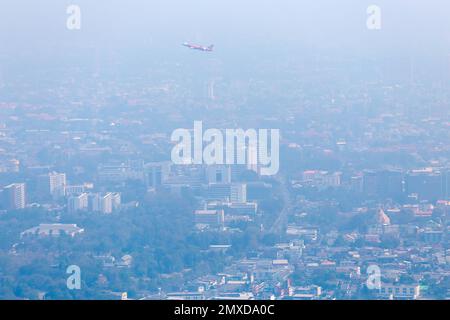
197, 47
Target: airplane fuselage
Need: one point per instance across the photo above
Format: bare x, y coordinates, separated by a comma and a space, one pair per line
197, 47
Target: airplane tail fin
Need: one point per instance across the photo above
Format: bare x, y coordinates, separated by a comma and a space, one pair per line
211, 47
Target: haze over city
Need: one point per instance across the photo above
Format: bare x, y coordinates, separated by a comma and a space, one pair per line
214, 150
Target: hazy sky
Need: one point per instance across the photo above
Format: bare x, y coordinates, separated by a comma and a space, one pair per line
38, 28
319, 23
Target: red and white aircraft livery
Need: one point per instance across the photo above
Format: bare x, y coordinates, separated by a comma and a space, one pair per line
197, 47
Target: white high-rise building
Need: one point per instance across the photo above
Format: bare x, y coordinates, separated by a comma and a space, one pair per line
57, 184
16, 197
116, 200
106, 203
78, 203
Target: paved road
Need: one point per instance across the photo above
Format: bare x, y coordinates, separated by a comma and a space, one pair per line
282, 218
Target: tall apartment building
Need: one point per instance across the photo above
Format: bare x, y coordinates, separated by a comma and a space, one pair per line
15, 196
104, 203
57, 184
78, 203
